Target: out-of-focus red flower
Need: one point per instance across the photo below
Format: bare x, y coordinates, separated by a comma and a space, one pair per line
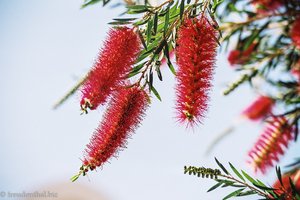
237, 57
196, 54
259, 109
295, 33
271, 144
267, 6
285, 190
126, 111
114, 61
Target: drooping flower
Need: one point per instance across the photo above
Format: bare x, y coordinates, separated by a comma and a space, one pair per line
267, 6
238, 57
126, 111
114, 61
196, 54
259, 109
271, 144
285, 190
295, 32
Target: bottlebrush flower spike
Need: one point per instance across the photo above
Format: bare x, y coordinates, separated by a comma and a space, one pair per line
196, 54
237, 57
267, 6
114, 61
126, 111
295, 33
259, 109
285, 190
276, 136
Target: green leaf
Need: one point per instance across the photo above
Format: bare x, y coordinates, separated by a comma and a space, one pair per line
141, 22
157, 69
151, 78
234, 194
149, 29
221, 166
215, 186
160, 47
137, 7
249, 177
232, 7
119, 23
171, 67
228, 183
131, 74
167, 18
216, 4
155, 21
246, 193
166, 53
138, 67
263, 187
142, 39
181, 8
124, 19
278, 172
74, 178
236, 172
155, 93
174, 10
90, 2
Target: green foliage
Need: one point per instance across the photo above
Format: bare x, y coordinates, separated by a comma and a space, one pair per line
246, 184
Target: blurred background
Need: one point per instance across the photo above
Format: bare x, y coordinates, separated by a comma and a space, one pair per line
45, 48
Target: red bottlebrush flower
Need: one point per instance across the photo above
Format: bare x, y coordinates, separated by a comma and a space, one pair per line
114, 61
285, 190
237, 57
126, 111
267, 6
259, 109
276, 136
295, 33
196, 53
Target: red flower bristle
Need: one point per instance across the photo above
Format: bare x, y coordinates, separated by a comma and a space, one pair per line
267, 6
234, 57
114, 61
126, 111
295, 33
196, 54
259, 109
285, 190
271, 144
237, 57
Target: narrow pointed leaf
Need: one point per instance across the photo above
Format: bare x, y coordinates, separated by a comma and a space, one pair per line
234, 194
236, 172
221, 166
181, 9
156, 93
215, 187
249, 177
167, 18
155, 21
